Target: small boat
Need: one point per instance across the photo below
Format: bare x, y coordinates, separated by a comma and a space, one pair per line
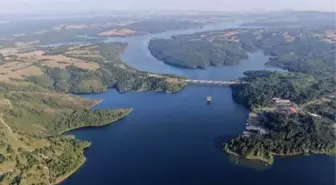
209, 98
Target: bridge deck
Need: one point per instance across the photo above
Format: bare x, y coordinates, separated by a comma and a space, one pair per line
215, 82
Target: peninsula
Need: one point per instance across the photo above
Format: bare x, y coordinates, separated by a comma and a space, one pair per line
36, 107
199, 50
289, 116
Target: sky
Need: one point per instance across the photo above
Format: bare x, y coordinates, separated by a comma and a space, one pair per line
29, 6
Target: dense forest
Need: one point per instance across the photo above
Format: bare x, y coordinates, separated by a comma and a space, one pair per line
309, 50
31, 147
263, 86
197, 51
76, 80
287, 134
305, 50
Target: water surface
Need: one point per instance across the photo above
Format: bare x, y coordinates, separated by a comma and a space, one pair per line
176, 139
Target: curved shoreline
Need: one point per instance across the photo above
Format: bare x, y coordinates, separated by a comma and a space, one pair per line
259, 158
270, 161
103, 124
80, 165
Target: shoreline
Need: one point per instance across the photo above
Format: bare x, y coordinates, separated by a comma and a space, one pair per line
72, 172
58, 181
104, 124
258, 158
97, 102
271, 160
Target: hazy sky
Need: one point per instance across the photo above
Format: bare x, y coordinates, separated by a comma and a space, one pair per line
7, 6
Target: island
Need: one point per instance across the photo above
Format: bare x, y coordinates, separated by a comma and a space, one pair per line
37, 105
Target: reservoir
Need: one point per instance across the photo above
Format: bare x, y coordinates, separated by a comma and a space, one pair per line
176, 139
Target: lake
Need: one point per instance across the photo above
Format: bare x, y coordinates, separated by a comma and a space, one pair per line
176, 139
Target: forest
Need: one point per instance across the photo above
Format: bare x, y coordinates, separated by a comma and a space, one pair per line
265, 85
190, 51
304, 50
32, 149
308, 49
287, 134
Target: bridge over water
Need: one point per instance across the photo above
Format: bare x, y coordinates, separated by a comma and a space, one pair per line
215, 82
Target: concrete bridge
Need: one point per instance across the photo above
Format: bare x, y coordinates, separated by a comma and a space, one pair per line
215, 82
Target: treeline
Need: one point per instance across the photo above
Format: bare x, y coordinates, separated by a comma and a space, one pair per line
85, 118
70, 159
288, 135
325, 109
113, 72
194, 52
263, 86
76, 80
294, 49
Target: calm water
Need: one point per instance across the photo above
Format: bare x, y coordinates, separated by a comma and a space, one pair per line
175, 139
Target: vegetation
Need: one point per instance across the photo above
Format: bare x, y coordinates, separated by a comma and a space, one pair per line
305, 50
67, 30
265, 85
199, 50
287, 134
56, 113
307, 53
113, 73
35, 110
84, 68
32, 149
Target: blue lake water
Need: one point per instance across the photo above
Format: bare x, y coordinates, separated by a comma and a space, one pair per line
176, 139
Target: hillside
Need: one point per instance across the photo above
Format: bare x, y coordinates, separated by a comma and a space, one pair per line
81, 68
292, 114
199, 50
36, 109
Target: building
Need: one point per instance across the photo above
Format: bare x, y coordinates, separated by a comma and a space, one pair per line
260, 130
281, 101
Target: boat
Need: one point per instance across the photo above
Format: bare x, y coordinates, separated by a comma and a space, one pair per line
209, 98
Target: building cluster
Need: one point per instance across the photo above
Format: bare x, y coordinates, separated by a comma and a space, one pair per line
285, 106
